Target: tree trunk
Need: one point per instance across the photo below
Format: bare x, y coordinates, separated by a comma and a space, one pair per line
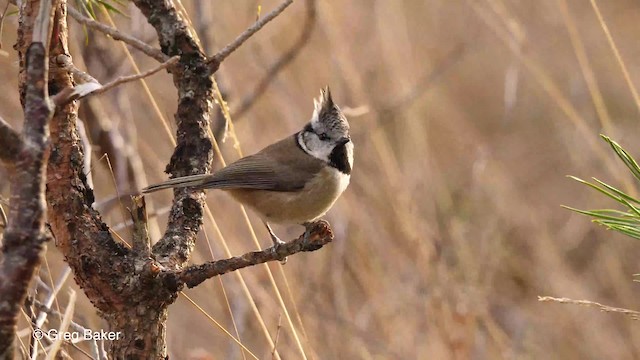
141, 332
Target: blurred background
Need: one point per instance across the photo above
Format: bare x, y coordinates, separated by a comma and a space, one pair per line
466, 116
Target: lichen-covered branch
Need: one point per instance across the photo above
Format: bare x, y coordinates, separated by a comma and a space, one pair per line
98, 261
194, 151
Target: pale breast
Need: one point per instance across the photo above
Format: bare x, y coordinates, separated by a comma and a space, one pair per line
306, 205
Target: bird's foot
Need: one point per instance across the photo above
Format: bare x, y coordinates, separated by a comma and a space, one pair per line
276, 244
276, 240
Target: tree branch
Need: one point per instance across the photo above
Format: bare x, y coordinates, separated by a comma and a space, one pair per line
118, 35
93, 87
320, 234
99, 262
194, 150
217, 59
24, 236
129, 78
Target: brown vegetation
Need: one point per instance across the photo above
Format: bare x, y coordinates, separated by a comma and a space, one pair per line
466, 117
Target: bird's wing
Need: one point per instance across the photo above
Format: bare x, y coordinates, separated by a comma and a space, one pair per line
279, 167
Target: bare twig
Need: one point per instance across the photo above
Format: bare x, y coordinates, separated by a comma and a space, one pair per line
128, 78
320, 234
635, 315
217, 59
280, 64
118, 35
77, 327
42, 317
93, 87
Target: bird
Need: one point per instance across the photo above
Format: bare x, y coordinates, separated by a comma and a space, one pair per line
295, 180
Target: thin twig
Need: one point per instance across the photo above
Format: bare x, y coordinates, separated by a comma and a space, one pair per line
94, 87
42, 317
217, 59
635, 315
118, 35
280, 64
125, 79
44, 308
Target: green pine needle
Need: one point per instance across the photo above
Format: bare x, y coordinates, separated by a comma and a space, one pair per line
626, 222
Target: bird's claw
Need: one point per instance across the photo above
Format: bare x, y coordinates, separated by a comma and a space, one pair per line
276, 245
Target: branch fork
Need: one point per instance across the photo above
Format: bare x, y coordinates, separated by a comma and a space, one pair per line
133, 288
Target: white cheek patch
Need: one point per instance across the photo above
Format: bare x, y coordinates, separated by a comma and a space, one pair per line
320, 149
349, 147
315, 147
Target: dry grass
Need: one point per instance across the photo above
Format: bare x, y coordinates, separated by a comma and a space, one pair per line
452, 225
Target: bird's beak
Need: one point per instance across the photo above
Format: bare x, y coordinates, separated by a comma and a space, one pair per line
344, 140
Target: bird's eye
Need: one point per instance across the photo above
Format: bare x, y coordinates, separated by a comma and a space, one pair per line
323, 137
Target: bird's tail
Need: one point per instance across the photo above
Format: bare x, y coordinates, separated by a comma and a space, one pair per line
180, 182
